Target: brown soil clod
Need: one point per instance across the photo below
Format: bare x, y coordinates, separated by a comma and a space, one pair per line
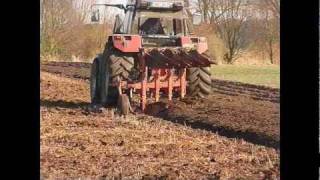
234, 117
156, 108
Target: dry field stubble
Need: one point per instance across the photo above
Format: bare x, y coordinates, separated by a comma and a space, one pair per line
76, 143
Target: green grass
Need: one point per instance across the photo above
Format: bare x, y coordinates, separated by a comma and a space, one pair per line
267, 75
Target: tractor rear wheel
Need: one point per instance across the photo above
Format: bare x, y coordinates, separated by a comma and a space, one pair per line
118, 66
199, 81
94, 81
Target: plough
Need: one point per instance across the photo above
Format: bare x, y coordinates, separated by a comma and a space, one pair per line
152, 50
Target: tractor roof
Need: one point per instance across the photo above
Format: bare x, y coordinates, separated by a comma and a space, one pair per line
161, 14
160, 8
172, 5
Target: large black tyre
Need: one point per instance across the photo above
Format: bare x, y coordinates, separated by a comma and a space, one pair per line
94, 82
199, 81
119, 66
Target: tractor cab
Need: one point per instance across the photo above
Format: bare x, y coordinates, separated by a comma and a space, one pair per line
158, 23
153, 18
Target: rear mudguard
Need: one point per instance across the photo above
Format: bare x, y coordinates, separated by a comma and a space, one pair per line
199, 43
132, 43
126, 42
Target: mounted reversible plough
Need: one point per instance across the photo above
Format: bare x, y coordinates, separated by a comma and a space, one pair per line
152, 50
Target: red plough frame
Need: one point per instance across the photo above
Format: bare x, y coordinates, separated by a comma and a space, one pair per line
168, 74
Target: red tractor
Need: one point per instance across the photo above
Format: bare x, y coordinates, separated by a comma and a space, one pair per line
151, 51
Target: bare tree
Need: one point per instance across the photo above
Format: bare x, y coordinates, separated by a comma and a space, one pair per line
270, 28
83, 8
271, 36
203, 7
274, 6
237, 22
216, 9
231, 25
66, 30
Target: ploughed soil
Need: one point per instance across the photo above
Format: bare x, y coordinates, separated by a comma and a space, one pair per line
234, 109
231, 116
220, 137
256, 92
68, 69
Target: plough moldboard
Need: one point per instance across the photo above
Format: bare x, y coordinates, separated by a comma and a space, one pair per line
175, 58
163, 69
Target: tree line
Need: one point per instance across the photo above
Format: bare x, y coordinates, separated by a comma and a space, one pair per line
239, 26
65, 31
243, 24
